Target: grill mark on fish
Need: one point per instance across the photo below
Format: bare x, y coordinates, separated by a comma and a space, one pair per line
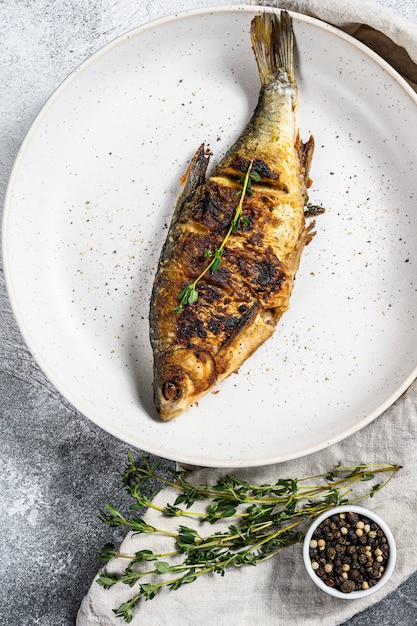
244, 322
262, 272
215, 207
241, 164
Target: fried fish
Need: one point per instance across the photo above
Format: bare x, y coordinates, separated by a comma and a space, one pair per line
228, 264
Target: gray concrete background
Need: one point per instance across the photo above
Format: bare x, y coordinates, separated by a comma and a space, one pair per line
56, 467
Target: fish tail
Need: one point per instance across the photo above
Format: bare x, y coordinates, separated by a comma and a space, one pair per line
273, 44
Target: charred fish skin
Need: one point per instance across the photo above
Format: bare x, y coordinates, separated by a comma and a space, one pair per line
236, 307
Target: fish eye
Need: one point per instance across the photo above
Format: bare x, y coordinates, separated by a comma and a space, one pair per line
171, 390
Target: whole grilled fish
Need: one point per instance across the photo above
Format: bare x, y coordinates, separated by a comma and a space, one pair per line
228, 265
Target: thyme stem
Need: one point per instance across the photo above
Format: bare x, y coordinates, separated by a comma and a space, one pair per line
264, 519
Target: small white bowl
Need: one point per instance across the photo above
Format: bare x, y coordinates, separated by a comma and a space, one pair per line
362, 593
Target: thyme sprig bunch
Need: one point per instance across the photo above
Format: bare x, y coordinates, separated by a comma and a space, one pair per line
263, 520
189, 293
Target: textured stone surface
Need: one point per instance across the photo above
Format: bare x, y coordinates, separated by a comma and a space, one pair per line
56, 467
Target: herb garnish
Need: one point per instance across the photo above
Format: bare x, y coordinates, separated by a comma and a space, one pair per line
311, 210
189, 294
264, 520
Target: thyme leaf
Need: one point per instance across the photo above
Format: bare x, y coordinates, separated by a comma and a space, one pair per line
263, 520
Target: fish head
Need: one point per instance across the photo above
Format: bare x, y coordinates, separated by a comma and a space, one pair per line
182, 376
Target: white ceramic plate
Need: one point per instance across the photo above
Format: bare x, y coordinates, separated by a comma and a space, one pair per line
87, 210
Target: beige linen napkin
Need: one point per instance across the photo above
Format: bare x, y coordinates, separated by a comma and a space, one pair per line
279, 592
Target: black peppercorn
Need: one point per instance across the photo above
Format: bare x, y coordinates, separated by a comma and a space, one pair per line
352, 518
354, 574
348, 586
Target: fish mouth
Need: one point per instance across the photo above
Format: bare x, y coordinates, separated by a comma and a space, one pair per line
183, 375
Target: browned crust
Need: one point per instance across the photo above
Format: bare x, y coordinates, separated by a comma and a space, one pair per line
232, 302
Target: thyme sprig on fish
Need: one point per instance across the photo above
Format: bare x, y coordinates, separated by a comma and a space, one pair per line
189, 294
263, 520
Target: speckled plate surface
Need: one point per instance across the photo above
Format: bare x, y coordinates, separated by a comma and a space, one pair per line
91, 196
